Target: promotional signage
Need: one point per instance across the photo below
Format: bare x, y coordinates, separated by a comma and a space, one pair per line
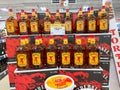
115, 43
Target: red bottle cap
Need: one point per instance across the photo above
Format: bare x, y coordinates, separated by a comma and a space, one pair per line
57, 10
47, 10
92, 8
22, 10
33, 10
80, 9
103, 7
67, 10
10, 10
38, 37
65, 36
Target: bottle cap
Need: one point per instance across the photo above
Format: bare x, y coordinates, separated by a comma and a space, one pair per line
57, 10
33, 10
80, 9
22, 10
103, 7
67, 10
92, 8
88, 9
10, 10
47, 10
65, 36
38, 37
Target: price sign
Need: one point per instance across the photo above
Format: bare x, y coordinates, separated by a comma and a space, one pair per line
57, 29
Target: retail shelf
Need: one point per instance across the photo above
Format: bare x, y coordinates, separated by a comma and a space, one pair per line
3, 73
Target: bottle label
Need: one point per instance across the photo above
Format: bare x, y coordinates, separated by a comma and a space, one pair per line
68, 26
103, 24
50, 57
78, 41
47, 26
22, 60
93, 58
23, 27
92, 25
65, 41
10, 27
91, 40
22, 42
36, 59
80, 25
78, 58
51, 41
38, 41
65, 58
34, 26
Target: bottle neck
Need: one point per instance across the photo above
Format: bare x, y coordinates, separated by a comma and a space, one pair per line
67, 14
80, 13
10, 14
33, 14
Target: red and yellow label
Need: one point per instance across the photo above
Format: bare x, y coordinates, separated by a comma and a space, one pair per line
80, 25
65, 41
47, 26
78, 58
22, 42
68, 25
51, 41
78, 41
51, 58
65, 58
34, 26
92, 25
36, 59
10, 27
93, 58
59, 82
23, 27
38, 41
91, 40
103, 24
22, 60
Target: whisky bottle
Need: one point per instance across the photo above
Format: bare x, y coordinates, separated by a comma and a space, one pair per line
23, 27
47, 23
28, 22
11, 24
68, 22
80, 22
104, 21
34, 29
93, 53
51, 54
38, 53
22, 55
92, 22
79, 53
66, 54
98, 19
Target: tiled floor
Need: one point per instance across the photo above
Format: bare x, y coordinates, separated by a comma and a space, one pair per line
4, 83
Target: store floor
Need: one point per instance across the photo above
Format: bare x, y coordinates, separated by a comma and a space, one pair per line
114, 85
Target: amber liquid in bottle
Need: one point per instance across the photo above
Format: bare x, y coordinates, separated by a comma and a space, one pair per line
93, 54
47, 23
104, 21
98, 19
34, 27
11, 24
92, 22
68, 23
23, 25
80, 22
22, 55
79, 53
66, 54
57, 18
51, 54
38, 53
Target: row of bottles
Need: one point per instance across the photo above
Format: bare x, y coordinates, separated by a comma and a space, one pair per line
85, 22
51, 56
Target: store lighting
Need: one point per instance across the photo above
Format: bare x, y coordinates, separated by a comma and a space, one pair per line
0, 17
43, 8
4, 9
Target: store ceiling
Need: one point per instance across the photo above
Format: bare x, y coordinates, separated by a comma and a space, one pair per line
40, 5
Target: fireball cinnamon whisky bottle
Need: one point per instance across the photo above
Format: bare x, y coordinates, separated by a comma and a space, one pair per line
91, 22
66, 55
93, 53
104, 21
23, 27
11, 24
22, 55
58, 19
68, 22
34, 27
79, 53
51, 54
38, 53
80, 22
47, 23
